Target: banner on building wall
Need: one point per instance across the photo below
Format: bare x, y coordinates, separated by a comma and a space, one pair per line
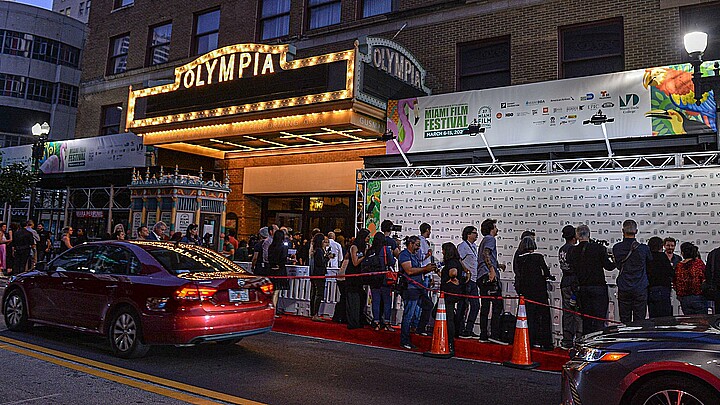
646, 102
683, 204
77, 155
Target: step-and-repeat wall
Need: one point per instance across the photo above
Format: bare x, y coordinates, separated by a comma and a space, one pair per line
683, 204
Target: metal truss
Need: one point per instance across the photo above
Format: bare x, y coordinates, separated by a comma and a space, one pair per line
563, 166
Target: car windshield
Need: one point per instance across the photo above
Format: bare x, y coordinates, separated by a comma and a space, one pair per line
182, 259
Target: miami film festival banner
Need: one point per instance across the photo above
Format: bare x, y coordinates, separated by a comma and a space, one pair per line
646, 102
683, 204
76, 155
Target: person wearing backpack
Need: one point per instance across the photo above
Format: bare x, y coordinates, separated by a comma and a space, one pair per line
632, 258
380, 258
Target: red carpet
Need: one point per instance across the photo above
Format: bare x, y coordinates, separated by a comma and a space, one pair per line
464, 348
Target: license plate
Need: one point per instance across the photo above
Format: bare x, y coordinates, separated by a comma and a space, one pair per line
239, 295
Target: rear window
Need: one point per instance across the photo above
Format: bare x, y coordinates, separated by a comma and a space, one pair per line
181, 259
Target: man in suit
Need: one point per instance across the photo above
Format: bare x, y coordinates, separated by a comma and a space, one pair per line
158, 232
23, 242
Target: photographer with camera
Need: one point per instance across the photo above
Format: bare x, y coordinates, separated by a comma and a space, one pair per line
489, 281
410, 267
588, 261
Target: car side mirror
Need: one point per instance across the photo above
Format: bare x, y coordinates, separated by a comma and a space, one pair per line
41, 266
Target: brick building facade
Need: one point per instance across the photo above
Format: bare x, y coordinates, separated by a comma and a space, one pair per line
462, 45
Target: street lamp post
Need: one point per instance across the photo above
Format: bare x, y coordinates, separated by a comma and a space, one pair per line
695, 45
40, 132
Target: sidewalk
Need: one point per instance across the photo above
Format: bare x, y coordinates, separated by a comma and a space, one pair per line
464, 348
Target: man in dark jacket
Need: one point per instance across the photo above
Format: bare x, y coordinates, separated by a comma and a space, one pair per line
632, 258
23, 241
712, 274
571, 323
588, 260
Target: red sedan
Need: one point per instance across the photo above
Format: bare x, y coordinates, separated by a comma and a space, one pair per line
142, 293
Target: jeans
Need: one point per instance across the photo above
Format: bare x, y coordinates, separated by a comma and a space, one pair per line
317, 293
426, 308
497, 310
471, 288
382, 295
693, 304
659, 302
632, 305
411, 300
594, 301
571, 323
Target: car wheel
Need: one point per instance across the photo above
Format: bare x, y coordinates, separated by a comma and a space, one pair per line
126, 335
229, 342
15, 309
674, 390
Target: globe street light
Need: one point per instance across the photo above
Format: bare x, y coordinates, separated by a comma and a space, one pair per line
40, 132
695, 45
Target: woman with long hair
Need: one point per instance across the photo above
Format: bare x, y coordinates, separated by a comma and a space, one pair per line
277, 258
5, 238
355, 307
318, 267
689, 276
531, 277
380, 291
452, 283
65, 243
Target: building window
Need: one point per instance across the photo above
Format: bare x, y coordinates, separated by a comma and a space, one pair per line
592, 49
482, 65
12, 86
705, 18
123, 3
17, 43
81, 9
159, 47
69, 56
111, 115
323, 13
67, 95
274, 19
207, 26
39, 90
376, 7
119, 47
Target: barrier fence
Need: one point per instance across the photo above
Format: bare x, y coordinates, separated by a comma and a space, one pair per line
297, 298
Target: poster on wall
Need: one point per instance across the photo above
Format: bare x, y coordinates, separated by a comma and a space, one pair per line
75, 155
166, 217
136, 221
646, 102
183, 220
683, 204
151, 219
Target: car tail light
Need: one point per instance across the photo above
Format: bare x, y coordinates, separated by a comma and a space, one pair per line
267, 288
192, 292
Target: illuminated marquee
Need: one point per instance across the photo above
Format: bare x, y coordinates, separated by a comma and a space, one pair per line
237, 68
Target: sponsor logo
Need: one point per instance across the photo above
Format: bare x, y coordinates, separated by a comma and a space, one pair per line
484, 117
509, 104
572, 108
557, 110
557, 100
534, 102
509, 114
587, 97
542, 122
535, 111
523, 113
498, 115
546, 110
572, 117
608, 104
593, 106
604, 95
552, 121
629, 103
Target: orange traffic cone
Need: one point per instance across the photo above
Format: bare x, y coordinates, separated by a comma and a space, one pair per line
440, 343
521, 344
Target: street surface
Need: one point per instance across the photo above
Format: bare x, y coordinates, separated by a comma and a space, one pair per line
273, 368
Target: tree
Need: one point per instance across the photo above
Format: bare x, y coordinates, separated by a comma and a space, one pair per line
16, 183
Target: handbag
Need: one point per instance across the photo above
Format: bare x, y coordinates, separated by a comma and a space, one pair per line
391, 276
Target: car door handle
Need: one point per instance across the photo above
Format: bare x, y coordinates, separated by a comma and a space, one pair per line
111, 286
67, 283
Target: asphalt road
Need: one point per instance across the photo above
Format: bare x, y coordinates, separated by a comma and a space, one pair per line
272, 368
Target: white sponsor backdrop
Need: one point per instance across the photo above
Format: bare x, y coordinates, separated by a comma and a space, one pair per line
684, 204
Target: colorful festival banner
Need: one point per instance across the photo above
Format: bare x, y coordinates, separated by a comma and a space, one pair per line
76, 155
647, 102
